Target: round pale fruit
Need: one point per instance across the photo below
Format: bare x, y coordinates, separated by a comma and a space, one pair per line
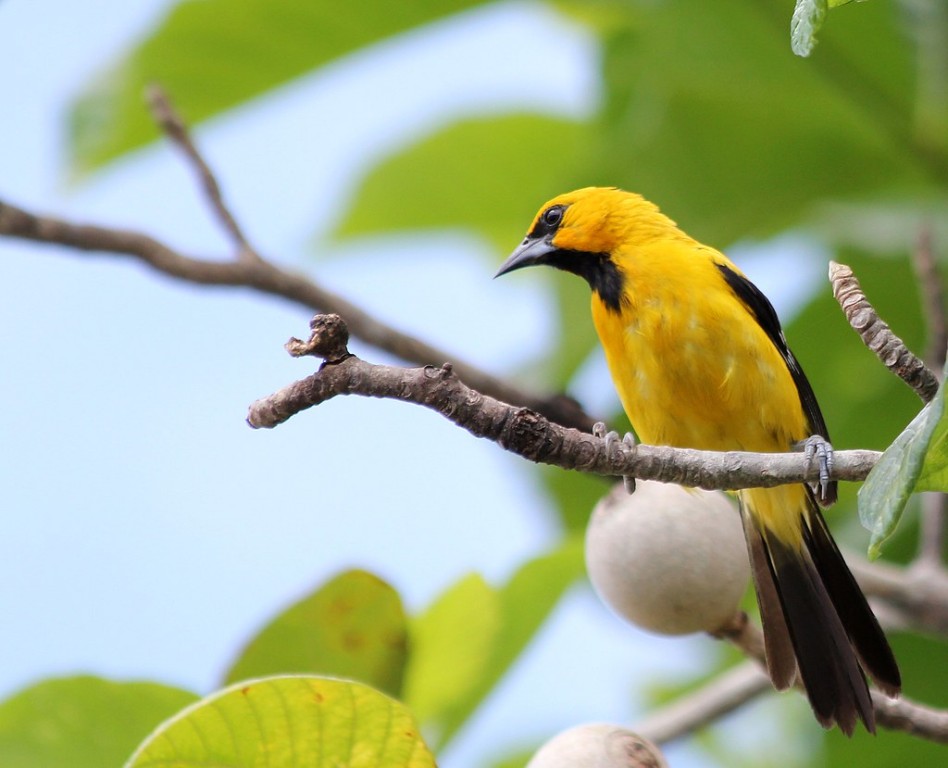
669, 559
597, 745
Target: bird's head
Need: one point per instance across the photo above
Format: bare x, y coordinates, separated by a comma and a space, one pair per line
589, 232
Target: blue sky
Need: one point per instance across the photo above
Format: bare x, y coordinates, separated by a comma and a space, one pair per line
147, 531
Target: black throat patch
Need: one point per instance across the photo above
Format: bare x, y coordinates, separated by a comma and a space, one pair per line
597, 269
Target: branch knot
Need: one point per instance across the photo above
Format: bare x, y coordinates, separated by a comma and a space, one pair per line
328, 340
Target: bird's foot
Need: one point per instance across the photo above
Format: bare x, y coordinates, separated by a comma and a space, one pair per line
818, 447
612, 439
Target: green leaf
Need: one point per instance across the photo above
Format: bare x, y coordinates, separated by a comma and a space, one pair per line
573, 495
895, 477
934, 474
808, 16
288, 722
82, 722
354, 626
732, 135
214, 55
526, 601
453, 634
488, 175
451, 644
927, 679
576, 336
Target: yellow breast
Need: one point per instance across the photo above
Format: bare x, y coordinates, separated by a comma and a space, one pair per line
691, 364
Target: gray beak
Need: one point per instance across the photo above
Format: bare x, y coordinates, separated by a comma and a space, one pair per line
531, 251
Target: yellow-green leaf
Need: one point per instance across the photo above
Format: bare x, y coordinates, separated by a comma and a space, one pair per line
473, 633
354, 626
526, 601
82, 722
288, 722
451, 646
488, 175
918, 453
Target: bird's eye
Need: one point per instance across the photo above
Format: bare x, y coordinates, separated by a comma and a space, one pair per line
553, 216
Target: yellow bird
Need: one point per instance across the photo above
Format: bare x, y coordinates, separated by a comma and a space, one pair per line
699, 360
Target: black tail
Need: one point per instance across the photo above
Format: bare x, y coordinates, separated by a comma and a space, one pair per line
811, 597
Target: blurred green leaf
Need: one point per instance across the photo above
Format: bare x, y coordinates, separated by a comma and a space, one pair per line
451, 646
487, 175
733, 136
576, 336
924, 679
82, 722
465, 642
288, 722
573, 495
848, 379
526, 601
214, 55
516, 760
353, 626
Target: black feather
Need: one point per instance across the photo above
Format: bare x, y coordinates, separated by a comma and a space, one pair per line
861, 625
810, 596
831, 675
763, 311
597, 269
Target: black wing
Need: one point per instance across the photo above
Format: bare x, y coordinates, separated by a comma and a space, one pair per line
766, 317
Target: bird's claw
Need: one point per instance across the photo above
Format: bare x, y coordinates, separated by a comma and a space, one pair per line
612, 439
819, 448
600, 430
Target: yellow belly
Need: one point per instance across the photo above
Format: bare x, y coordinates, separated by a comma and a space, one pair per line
699, 372
711, 379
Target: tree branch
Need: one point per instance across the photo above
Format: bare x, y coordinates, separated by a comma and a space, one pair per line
934, 508
931, 533
524, 432
249, 269
725, 693
916, 597
267, 278
173, 126
932, 297
876, 335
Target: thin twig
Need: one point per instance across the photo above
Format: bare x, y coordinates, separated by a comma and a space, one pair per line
743, 633
725, 693
932, 296
876, 335
523, 431
174, 127
268, 278
911, 717
914, 598
934, 508
931, 533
